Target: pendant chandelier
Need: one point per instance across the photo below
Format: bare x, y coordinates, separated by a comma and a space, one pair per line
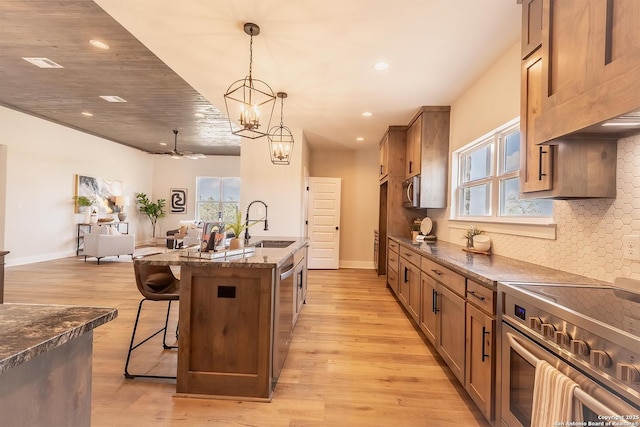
280, 139
251, 98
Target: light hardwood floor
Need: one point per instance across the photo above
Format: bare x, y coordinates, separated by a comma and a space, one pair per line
355, 358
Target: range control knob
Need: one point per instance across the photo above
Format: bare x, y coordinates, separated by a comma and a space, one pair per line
535, 323
600, 358
562, 338
548, 329
627, 373
579, 347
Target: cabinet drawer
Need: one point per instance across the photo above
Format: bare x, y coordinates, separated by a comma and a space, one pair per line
449, 278
393, 261
481, 297
394, 246
392, 279
410, 256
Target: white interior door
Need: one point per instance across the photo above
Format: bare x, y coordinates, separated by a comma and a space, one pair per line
324, 223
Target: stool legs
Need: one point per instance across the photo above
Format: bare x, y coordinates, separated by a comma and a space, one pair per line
133, 347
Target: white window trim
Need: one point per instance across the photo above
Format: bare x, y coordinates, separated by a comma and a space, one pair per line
539, 227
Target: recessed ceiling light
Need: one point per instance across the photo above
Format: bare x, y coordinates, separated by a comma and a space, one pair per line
86, 113
43, 62
163, 143
381, 66
367, 114
199, 115
621, 124
359, 138
112, 98
99, 44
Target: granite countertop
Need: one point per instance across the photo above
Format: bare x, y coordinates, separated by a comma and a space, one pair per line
260, 258
27, 330
490, 269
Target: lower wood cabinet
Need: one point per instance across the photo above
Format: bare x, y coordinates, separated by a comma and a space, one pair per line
409, 287
428, 310
456, 314
442, 319
392, 267
480, 359
450, 338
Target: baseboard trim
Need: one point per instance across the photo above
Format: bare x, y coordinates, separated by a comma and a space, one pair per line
363, 265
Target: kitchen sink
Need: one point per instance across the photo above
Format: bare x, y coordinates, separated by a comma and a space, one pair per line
273, 243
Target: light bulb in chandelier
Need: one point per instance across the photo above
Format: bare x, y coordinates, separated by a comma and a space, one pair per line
250, 117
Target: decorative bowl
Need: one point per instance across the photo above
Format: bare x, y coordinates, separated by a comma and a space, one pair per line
481, 242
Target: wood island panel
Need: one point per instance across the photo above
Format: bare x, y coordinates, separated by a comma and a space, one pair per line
225, 332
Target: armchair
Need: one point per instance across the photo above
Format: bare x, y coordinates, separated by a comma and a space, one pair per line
102, 245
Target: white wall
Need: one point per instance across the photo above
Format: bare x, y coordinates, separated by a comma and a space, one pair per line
359, 202
171, 173
279, 186
43, 159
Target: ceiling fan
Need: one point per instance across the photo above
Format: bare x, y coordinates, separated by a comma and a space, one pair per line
175, 154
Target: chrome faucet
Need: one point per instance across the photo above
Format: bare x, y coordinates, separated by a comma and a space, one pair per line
247, 236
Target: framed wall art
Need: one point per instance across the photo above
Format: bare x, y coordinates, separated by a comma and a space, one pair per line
101, 191
178, 201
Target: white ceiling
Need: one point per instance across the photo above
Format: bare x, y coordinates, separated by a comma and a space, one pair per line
321, 53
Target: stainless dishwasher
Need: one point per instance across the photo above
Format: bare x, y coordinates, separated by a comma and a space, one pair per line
283, 315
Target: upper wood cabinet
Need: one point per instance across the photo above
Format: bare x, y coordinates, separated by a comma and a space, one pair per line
531, 26
427, 154
590, 64
536, 172
414, 148
560, 83
384, 157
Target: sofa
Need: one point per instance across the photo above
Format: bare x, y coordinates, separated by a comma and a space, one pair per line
105, 241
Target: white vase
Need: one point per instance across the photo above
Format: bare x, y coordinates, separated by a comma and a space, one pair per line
87, 214
94, 218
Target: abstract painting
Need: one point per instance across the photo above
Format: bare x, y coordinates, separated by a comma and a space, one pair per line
101, 191
178, 201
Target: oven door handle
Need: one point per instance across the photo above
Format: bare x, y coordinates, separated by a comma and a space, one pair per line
580, 394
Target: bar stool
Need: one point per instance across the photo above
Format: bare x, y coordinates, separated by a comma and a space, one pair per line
155, 283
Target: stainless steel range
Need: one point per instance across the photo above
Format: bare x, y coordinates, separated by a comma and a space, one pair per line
589, 333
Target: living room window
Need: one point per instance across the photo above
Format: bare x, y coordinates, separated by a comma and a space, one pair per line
487, 181
217, 198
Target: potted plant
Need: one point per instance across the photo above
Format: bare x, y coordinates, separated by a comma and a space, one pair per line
469, 233
237, 226
153, 210
83, 203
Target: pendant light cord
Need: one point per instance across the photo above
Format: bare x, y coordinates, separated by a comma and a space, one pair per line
281, 111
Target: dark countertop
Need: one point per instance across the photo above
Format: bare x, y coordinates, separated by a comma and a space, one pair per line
490, 269
261, 258
27, 330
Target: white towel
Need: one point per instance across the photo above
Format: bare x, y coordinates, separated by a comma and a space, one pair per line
553, 397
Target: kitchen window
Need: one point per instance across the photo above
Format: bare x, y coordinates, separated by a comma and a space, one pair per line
486, 174
217, 198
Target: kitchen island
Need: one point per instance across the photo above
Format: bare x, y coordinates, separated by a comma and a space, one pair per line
236, 317
45, 363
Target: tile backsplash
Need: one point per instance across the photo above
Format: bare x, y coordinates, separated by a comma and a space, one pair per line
589, 232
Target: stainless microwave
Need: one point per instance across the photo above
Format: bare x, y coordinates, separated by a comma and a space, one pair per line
411, 192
